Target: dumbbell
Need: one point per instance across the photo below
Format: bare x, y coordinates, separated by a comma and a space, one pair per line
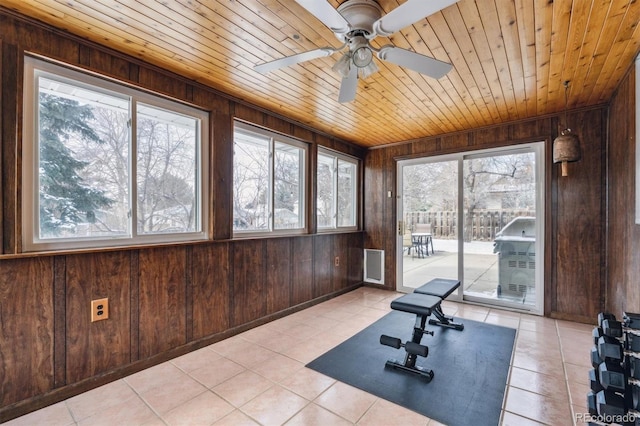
610, 348
606, 403
605, 316
411, 347
611, 327
594, 381
612, 377
632, 342
631, 320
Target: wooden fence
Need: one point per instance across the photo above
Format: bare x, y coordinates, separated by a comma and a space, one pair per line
481, 226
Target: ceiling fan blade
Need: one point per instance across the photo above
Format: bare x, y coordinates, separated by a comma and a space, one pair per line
326, 13
349, 86
294, 59
408, 13
414, 61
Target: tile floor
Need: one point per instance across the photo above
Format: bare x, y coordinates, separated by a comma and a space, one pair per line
259, 378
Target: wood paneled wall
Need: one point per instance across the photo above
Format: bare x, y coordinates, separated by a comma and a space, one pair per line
574, 215
623, 236
166, 300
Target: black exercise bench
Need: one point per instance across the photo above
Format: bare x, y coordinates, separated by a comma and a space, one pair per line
422, 303
442, 288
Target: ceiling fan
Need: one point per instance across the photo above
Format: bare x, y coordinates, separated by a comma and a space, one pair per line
355, 23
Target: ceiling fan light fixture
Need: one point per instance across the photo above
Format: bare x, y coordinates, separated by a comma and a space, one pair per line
362, 57
370, 69
343, 65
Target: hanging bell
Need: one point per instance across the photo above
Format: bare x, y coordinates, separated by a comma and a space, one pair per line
566, 149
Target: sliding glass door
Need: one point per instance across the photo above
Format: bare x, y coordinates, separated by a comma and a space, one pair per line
474, 217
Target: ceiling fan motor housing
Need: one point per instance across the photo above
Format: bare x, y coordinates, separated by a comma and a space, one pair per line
361, 14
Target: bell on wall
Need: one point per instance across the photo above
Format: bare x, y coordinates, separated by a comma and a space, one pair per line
566, 147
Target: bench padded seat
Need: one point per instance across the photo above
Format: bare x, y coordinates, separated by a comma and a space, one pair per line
419, 304
440, 287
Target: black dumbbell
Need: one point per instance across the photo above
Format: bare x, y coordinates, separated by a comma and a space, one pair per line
611, 376
609, 404
605, 316
631, 320
596, 333
594, 381
595, 357
592, 403
612, 328
610, 348
632, 342
634, 366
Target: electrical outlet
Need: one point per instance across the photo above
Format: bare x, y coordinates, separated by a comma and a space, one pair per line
337, 261
99, 309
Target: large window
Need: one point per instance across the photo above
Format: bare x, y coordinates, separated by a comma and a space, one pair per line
268, 182
337, 205
108, 165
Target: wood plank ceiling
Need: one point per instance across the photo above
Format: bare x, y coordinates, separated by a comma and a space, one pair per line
510, 58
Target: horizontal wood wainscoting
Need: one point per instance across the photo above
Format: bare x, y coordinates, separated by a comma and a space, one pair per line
575, 253
163, 302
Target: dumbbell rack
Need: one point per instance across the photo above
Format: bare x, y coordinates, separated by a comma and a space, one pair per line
614, 397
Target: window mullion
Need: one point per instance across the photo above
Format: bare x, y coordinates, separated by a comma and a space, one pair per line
271, 183
133, 169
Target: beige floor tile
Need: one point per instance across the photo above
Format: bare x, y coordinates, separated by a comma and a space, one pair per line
166, 397
385, 413
504, 321
242, 388
156, 376
308, 383
275, 406
236, 418
99, 399
546, 364
278, 368
130, 411
510, 419
577, 373
346, 401
537, 324
53, 415
314, 415
538, 407
204, 409
549, 385
578, 394
197, 359
216, 373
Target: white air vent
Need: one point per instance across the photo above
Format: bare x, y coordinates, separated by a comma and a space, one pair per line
374, 266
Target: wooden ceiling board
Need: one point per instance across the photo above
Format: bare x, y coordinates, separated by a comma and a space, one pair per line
510, 58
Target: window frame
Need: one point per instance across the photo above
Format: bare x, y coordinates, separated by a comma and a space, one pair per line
36, 67
274, 137
339, 156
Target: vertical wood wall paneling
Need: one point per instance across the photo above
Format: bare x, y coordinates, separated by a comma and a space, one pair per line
97, 347
60, 322
580, 219
210, 288
26, 336
2, 106
623, 242
355, 271
162, 275
323, 268
10, 105
134, 304
278, 274
249, 282
221, 173
302, 270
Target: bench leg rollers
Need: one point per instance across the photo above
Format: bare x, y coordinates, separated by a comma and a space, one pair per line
413, 351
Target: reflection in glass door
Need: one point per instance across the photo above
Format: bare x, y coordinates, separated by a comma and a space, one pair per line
491, 247
500, 227
429, 229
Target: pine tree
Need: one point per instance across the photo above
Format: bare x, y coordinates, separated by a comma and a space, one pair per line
65, 199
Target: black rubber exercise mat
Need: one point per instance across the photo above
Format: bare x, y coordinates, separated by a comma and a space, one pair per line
470, 369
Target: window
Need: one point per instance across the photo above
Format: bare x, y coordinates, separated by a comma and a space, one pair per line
107, 164
268, 182
337, 178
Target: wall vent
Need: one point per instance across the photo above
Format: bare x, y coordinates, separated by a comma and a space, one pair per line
374, 266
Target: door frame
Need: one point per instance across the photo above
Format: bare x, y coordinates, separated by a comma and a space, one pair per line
538, 148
